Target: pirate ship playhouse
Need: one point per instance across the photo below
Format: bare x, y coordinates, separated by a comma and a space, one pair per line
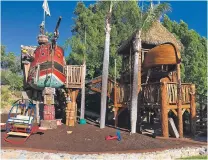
45, 72
160, 91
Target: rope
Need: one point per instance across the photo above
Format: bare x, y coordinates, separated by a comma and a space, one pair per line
148, 75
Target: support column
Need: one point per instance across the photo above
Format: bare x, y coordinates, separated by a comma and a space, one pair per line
115, 105
71, 107
179, 102
37, 105
69, 103
193, 109
164, 110
49, 109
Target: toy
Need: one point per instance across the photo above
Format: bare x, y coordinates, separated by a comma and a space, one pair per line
20, 122
118, 136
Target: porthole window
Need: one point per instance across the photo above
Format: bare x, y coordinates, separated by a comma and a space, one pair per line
43, 54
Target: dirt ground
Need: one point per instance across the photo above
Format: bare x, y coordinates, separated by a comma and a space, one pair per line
90, 138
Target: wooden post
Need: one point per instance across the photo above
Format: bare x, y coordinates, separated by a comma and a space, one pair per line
72, 117
193, 109
68, 107
164, 110
115, 98
75, 114
116, 115
179, 102
139, 119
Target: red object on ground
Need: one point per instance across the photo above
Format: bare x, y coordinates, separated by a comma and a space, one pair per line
49, 112
111, 137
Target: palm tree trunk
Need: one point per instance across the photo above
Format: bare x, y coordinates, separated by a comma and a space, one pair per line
105, 69
83, 93
137, 64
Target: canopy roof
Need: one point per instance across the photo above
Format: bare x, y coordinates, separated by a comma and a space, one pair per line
156, 35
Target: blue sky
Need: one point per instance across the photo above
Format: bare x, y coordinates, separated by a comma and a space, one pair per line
20, 20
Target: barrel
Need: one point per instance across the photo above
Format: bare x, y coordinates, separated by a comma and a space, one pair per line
42, 39
49, 112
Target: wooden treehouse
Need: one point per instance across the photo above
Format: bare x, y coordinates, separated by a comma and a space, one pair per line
159, 84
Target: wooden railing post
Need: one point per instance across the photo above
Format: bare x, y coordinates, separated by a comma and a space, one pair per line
115, 105
164, 110
193, 110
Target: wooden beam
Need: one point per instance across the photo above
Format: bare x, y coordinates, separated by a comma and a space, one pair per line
185, 106
174, 111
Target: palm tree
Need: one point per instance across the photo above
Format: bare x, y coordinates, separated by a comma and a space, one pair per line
144, 21
105, 67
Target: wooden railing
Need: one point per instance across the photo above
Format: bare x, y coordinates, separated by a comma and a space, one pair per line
96, 85
172, 93
74, 76
123, 93
151, 93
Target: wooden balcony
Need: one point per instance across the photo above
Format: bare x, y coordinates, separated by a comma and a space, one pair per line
151, 93
74, 76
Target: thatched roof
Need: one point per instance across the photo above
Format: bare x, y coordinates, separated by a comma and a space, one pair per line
156, 35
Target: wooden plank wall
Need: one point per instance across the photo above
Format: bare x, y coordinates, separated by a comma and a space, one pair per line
74, 76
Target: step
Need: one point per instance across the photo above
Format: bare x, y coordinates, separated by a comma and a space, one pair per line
21, 126
18, 134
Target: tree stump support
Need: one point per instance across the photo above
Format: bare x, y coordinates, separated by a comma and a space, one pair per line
164, 110
193, 110
179, 102
71, 107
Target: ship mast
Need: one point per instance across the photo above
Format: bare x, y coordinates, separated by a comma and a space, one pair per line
42, 38
46, 11
43, 22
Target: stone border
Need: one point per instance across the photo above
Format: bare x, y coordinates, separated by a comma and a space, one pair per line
158, 155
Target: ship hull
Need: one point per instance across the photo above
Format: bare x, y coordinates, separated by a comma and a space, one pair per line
47, 69
164, 54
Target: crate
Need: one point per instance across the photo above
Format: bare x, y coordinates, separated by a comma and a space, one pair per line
48, 99
49, 90
49, 112
48, 124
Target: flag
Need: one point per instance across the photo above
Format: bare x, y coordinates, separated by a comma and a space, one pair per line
46, 8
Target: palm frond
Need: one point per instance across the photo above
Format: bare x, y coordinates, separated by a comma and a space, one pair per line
161, 9
154, 14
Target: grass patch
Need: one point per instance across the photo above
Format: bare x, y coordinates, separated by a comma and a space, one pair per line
196, 157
